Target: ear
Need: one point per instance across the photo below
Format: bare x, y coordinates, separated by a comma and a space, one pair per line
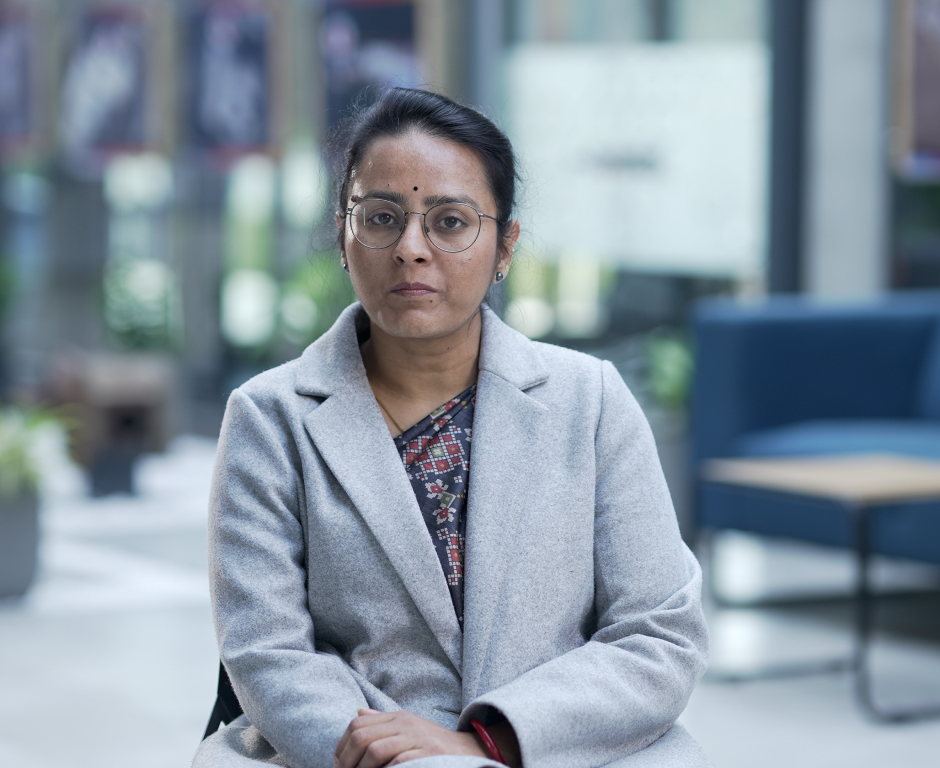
508, 246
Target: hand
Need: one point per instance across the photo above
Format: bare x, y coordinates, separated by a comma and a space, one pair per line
377, 739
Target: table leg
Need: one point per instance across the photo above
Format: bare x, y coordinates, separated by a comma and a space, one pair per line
864, 608
773, 670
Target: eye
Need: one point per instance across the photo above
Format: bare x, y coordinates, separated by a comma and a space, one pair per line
380, 216
381, 219
450, 220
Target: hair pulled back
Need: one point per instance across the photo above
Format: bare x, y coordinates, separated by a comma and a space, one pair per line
401, 110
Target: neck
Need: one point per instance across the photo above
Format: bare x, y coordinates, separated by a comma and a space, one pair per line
425, 372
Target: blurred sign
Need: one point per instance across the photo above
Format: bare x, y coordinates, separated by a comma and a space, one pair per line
917, 107
105, 85
651, 156
366, 42
18, 107
233, 45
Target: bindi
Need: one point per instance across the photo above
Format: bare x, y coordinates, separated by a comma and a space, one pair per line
416, 189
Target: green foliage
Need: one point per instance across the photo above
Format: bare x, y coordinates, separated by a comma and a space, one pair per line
321, 277
7, 281
669, 371
137, 296
19, 430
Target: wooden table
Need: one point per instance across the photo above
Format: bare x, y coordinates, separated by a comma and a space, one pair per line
857, 484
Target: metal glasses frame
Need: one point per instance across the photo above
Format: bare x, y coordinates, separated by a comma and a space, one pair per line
348, 216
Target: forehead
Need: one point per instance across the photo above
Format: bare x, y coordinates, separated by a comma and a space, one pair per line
434, 165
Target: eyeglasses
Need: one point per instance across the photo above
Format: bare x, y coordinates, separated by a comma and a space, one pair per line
450, 227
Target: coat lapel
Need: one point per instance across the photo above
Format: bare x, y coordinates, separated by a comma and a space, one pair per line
350, 434
508, 427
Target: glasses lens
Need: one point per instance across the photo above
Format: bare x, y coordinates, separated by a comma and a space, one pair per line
453, 226
377, 223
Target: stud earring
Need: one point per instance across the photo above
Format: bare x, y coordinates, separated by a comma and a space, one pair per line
346, 266
499, 277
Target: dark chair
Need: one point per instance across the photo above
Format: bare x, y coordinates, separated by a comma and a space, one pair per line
226, 706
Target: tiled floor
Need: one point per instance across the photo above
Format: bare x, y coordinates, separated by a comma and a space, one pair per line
812, 721
111, 661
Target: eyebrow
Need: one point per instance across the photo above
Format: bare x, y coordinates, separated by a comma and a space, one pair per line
384, 194
433, 200
429, 202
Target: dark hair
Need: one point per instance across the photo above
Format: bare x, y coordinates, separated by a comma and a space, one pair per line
400, 110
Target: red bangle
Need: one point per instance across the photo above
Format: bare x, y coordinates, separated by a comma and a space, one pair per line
487, 740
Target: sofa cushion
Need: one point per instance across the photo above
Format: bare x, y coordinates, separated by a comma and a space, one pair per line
909, 437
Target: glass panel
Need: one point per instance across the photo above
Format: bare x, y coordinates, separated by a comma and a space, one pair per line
641, 127
718, 20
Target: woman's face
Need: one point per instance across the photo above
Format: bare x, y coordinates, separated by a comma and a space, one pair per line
413, 290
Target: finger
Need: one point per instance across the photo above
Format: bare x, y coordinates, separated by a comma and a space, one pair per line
404, 757
360, 734
372, 716
358, 722
351, 745
381, 751
341, 745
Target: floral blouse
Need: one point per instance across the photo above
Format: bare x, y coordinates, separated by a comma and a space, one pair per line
436, 455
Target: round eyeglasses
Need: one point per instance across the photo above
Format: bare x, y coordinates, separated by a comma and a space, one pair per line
450, 227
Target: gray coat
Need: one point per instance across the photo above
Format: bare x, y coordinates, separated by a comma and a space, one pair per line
583, 622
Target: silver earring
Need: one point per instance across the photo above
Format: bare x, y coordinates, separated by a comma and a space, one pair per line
346, 266
499, 277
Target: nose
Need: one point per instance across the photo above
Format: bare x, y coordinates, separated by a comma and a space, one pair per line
413, 245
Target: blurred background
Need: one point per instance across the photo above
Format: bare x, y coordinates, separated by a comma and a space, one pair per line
166, 232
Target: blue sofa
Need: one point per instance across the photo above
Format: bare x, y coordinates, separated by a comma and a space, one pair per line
791, 377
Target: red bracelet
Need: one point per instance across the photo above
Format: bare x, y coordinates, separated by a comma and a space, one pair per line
487, 740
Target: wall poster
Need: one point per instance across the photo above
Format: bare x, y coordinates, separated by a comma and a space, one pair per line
105, 86
234, 73
366, 43
20, 103
917, 98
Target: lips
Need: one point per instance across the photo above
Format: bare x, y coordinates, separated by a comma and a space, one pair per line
413, 290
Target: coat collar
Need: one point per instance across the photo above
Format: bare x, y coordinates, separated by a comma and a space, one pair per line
349, 433
333, 361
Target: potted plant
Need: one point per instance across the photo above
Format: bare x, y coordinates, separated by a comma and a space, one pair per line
669, 376
19, 498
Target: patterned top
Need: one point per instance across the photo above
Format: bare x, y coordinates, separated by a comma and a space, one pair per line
436, 455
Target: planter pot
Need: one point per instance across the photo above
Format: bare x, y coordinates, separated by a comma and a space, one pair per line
19, 543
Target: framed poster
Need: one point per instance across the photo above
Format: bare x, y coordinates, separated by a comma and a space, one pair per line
20, 119
104, 103
232, 108
116, 92
366, 43
917, 98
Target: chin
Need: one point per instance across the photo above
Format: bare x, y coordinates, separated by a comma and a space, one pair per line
420, 323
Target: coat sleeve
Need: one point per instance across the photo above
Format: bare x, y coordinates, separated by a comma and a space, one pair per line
625, 687
301, 700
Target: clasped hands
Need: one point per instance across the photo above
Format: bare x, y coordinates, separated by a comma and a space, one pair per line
379, 739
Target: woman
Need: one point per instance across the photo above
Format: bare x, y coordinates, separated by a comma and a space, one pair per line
381, 595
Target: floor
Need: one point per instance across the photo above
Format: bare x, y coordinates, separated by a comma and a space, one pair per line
110, 661
811, 721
